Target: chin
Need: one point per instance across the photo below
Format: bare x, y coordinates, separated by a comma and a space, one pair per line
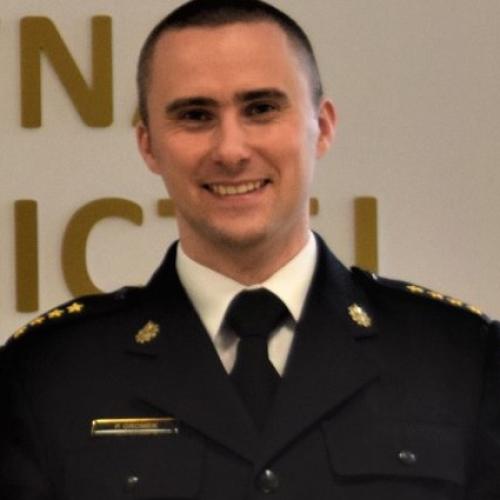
244, 235
239, 239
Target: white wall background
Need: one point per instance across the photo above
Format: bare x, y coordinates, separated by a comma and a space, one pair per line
416, 84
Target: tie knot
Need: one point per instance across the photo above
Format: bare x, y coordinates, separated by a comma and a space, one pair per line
255, 313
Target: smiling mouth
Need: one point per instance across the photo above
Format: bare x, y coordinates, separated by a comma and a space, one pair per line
236, 189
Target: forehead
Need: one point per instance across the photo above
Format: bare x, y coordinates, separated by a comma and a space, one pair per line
237, 54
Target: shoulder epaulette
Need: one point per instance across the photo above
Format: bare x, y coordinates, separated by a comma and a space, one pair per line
420, 291
77, 309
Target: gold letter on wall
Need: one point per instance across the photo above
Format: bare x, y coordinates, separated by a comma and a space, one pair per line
94, 103
26, 222
74, 254
366, 233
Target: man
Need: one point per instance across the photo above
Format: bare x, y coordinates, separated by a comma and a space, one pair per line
369, 389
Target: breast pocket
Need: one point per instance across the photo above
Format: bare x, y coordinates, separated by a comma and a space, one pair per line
397, 450
140, 467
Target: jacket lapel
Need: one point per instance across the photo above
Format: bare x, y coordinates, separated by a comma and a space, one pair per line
180, 372
328, 363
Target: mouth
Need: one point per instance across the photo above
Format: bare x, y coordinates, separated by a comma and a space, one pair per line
241, 188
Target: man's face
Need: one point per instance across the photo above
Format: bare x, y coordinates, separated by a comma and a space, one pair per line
234, 134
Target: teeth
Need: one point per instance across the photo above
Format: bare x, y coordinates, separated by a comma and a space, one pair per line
244, 188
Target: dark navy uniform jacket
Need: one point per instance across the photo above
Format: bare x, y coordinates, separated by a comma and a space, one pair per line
391, 392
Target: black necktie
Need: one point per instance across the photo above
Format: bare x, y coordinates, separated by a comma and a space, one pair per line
253, 315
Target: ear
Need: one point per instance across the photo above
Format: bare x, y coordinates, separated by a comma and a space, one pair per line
144, 144
327, 121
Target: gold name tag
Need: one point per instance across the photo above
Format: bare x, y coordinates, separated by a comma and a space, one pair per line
134, 426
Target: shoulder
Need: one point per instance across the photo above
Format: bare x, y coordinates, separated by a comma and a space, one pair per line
417, 295
76, 312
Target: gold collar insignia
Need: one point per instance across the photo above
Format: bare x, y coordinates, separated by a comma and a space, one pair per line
147, 333
360, 316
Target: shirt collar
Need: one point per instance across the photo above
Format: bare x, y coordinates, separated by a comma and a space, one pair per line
211, 292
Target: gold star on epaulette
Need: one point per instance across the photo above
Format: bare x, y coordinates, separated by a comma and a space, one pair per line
75, 308
19, 331
475, 310
37, 321
360, 316
55, 313
454, 302
435, 295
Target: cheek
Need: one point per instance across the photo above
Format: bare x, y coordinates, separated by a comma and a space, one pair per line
172, 154
284, 143
297, 149
180, 167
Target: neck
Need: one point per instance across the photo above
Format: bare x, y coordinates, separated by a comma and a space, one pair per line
248, 265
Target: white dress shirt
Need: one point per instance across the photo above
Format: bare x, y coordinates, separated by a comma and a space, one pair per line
211, 292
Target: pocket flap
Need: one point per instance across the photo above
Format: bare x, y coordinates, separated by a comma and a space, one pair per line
151, 467
397, 449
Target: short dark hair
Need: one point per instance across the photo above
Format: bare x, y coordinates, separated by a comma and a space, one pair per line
201, 13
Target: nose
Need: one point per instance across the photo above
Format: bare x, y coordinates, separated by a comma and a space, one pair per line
230, 149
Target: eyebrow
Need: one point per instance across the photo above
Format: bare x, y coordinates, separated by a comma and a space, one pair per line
188, 102
245, 96
253, 95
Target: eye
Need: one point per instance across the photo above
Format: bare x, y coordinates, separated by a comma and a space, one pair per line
194, 119
195, 115
261, 109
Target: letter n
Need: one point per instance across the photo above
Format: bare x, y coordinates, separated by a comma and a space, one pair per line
93, 102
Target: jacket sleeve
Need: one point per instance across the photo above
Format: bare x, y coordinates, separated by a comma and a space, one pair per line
485, 484
21, 476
